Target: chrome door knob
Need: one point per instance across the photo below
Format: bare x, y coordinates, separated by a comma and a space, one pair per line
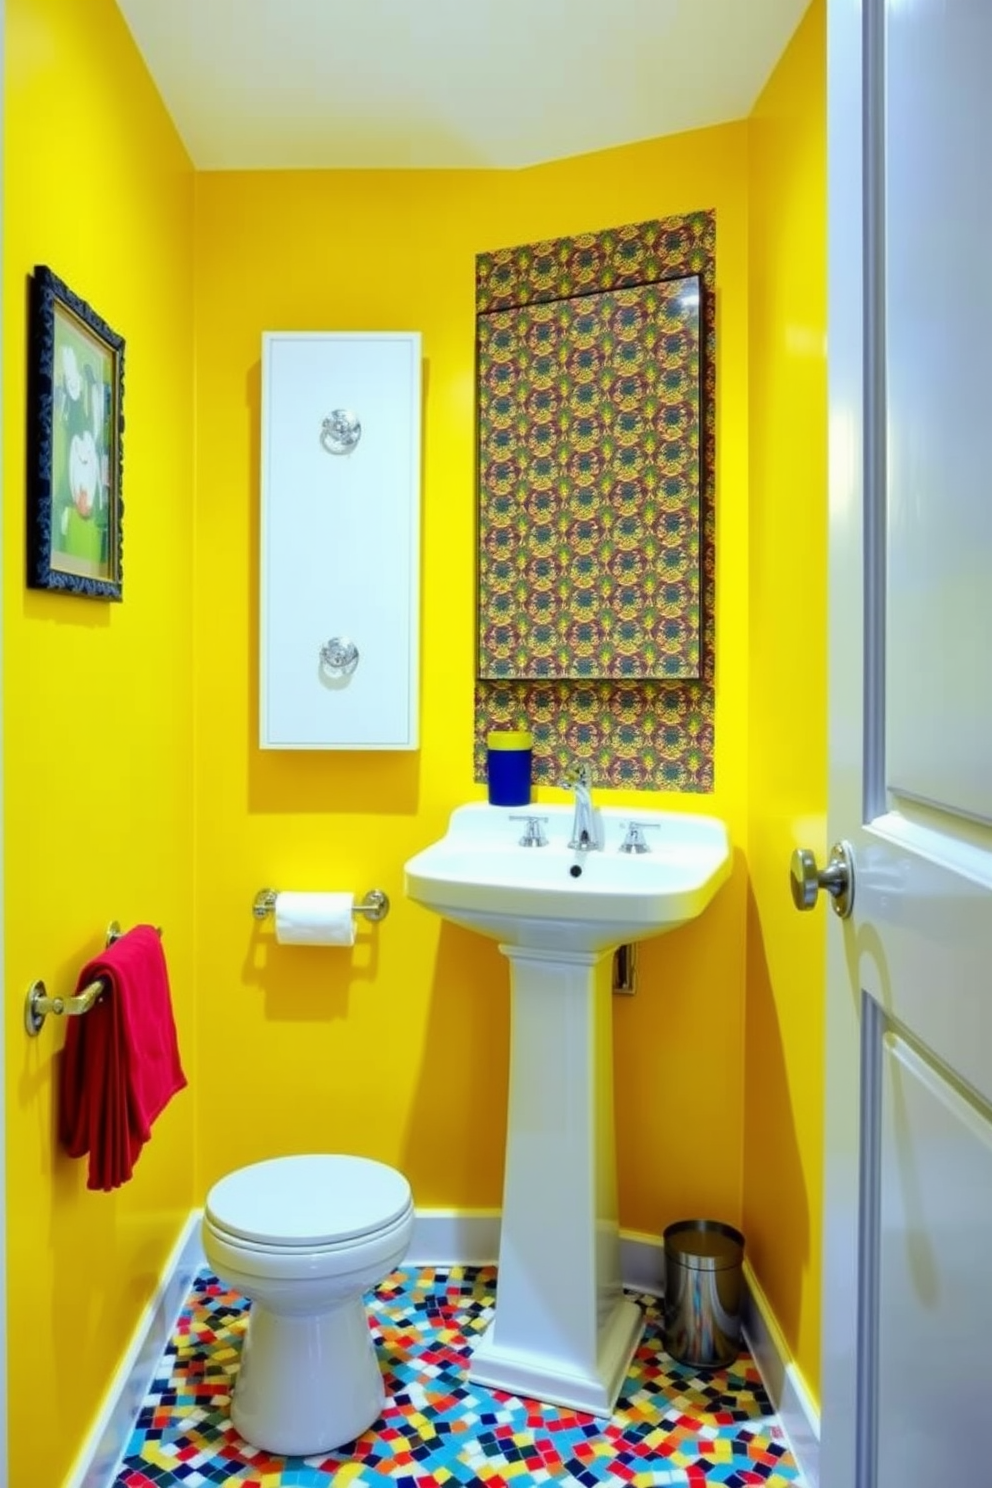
806, 880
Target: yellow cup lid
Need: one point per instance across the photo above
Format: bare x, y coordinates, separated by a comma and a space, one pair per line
509, 739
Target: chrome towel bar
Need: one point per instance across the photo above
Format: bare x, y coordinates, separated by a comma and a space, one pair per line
375, 905
38, 1004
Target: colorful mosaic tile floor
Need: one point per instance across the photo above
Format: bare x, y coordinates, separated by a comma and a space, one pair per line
672, 1425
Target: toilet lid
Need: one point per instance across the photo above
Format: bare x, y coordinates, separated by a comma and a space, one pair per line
313, 1200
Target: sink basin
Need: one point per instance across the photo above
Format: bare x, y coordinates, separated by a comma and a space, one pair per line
556, 898
562, 1330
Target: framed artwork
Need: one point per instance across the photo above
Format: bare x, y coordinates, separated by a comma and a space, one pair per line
75, 458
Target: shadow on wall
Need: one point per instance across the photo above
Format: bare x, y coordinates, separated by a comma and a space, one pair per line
305, 781
772, 1162
678, 1070
322, 980
464, 1077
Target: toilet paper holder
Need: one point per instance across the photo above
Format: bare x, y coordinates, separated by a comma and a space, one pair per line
375, 905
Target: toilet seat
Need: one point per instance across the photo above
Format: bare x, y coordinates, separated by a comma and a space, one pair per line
335, 1248
312, 1202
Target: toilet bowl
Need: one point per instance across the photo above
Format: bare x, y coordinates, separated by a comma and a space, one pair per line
303, 1238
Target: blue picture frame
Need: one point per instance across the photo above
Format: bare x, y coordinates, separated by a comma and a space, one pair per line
75, 444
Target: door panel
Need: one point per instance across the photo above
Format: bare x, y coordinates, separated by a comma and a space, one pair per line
925, 952
938, 299
935, 1304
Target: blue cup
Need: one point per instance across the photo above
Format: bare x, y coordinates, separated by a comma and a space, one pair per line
509, 754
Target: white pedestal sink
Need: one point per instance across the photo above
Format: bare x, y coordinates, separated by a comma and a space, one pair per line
563, 1331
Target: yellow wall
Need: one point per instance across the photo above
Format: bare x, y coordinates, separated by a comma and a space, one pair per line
97, 700
787, 777
400, 1052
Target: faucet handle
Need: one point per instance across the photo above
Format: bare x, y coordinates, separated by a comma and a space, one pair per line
534, 835
634, 841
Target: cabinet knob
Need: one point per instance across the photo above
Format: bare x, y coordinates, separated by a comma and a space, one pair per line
339, 656
340, 432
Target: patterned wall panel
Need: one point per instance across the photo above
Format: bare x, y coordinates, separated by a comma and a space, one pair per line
589, 485
635, 731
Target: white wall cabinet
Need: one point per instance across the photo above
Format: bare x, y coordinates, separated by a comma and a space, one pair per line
340, 540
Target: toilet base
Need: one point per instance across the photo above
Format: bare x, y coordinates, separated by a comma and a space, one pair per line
307, 1383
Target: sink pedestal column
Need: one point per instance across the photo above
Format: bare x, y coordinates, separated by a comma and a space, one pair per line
563, 1331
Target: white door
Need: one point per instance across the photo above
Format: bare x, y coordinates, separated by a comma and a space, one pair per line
3, 1106
908, 1212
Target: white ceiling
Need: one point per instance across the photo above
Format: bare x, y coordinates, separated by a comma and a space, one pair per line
291, 84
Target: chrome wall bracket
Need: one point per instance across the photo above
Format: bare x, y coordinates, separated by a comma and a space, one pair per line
38, 1005
625, 969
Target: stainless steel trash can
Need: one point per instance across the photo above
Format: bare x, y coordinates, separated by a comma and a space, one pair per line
704, 1288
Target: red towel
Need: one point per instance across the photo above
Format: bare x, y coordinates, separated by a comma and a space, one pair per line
120, 1065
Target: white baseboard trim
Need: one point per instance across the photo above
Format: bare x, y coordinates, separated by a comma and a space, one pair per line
97, 1461
441, 1237
642, 1262
467, 1237
454, 1237
782, 1380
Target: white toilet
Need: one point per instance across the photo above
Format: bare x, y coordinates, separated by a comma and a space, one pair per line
304, 1238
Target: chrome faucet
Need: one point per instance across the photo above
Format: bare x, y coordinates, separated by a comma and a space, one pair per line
586, 825
534, 831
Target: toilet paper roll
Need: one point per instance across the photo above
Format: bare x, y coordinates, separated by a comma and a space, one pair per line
315, 919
